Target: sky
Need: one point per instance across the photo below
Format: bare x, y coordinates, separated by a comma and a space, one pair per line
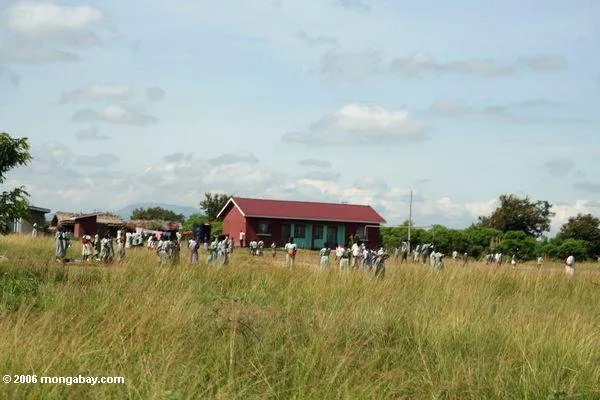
358, 101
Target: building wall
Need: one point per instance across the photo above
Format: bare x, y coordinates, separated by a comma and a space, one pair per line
24, 226
233, 223
332, 232
85, 226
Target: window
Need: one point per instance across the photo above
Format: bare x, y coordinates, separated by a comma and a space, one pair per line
318, 232
264, 228
362, 233
300, 231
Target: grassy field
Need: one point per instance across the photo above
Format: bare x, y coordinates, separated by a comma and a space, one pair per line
257, 330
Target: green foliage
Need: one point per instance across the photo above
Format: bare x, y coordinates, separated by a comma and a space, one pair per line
213, 204
519, 244
156, 213
13, 203
580, 249
479, 238
194, 219
516, 214
583, 227
18, 286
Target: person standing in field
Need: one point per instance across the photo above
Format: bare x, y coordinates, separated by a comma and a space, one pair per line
339, 251
513, 261
324, 253
465, 259
273, 249
344, 258
570, 265
230, 245
261, 247
242, 238
290, 252
61, 244
193, 247
104, 254
86, 244
355, 255
540, 261
97, 247
34, 231
120, 248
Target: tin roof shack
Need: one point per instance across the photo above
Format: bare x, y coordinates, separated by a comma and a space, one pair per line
109, 223
64, 220
37, 215
91, 223
311, 224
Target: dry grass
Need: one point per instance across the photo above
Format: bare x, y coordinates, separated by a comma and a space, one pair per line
258, 330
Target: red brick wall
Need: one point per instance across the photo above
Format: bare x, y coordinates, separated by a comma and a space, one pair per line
85, 225
233, 222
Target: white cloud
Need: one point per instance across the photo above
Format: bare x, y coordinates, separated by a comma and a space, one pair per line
559, 166
235, 158
316, 40
178, 157
565, 211
99, 92
115, 114
154, 93
347, 66
91, 134
326, 176
483, 68
315, 162
546, 63
38, 32
99, 160
510, 112
16, 52
360, 123
415, 64
418, 63
43, 19
357, 5
587, 186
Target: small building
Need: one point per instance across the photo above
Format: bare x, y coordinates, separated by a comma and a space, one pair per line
37, 215
64, 220
311, 224
91, 223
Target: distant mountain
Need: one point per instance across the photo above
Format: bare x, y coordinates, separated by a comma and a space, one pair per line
126, 211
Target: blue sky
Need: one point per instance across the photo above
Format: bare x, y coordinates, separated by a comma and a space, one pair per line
335, 100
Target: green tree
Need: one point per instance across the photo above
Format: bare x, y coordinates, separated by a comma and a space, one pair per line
583, 227
516, 214
156, 213
213, 204
479, 239
579, 248
518, 243
194, 219
14, 152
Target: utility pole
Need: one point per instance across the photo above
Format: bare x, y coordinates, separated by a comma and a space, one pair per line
409, 220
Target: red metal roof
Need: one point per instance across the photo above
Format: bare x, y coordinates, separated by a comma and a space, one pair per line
306, 210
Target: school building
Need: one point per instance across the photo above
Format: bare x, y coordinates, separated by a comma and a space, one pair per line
311, 224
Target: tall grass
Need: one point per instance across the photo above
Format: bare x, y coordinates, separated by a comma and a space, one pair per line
255, 329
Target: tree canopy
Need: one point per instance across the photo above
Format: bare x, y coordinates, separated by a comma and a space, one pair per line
517, 214
213, 203
14, 152
194, 219
156, 213
584, 227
